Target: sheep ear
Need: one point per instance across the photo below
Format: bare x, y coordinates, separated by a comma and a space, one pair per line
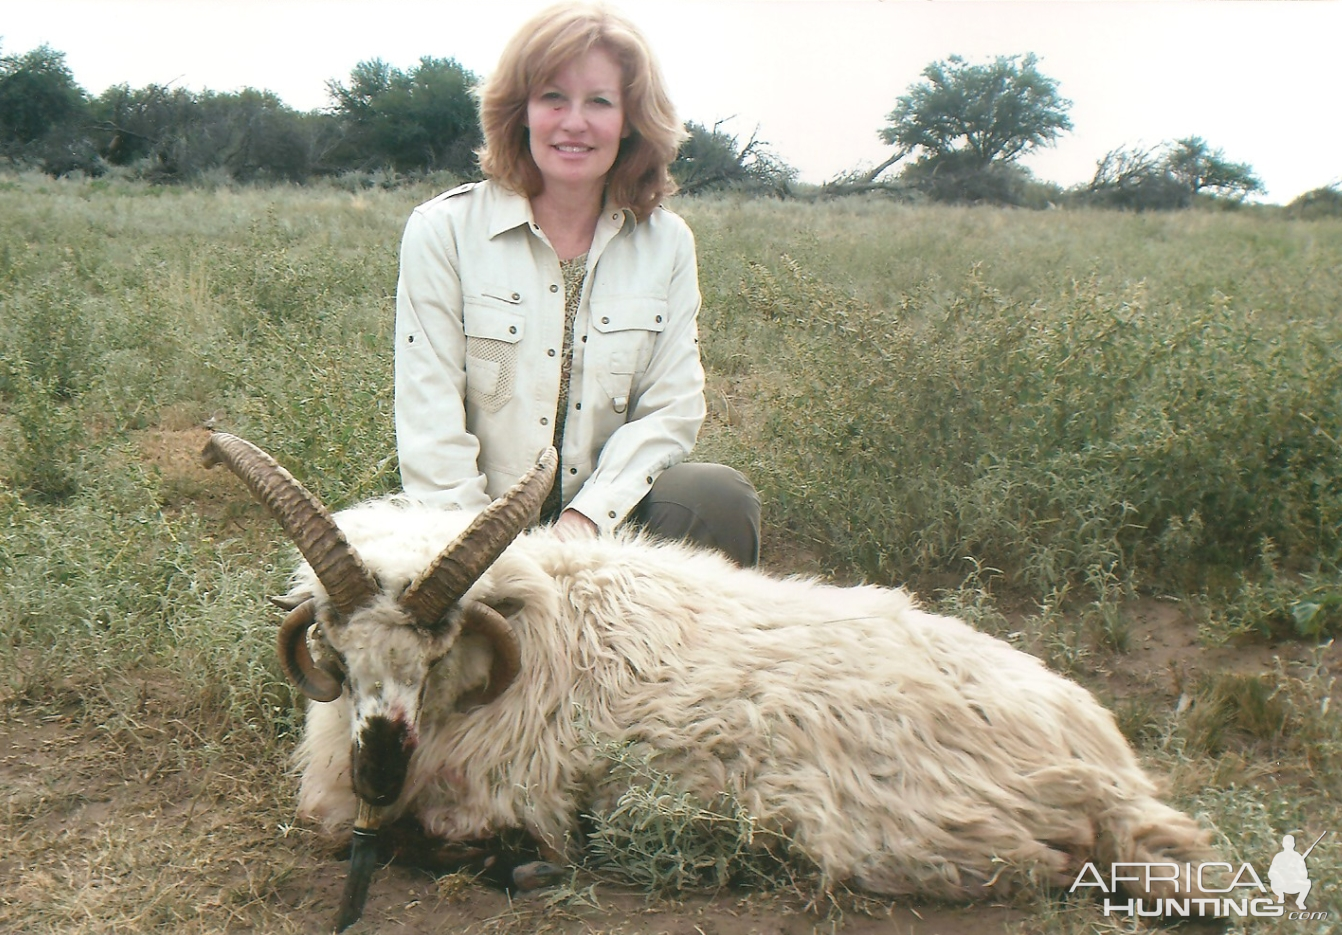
290, 601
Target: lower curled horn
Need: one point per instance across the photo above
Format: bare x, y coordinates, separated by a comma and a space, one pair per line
486, 621
313, 681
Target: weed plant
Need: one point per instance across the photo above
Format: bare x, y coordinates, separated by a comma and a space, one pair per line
1098, 434
665, 841
1050, 411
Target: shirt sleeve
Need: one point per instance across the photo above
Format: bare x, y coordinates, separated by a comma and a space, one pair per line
666, 408
439, 458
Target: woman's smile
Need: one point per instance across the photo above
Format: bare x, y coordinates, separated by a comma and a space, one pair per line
576, 122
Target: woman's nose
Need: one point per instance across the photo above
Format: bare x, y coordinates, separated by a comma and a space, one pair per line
573, 117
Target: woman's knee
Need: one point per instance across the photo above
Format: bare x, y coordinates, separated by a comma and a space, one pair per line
707, 504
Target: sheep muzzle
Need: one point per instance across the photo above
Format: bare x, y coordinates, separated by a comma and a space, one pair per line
380, 760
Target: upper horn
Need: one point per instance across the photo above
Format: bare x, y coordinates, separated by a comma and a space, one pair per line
347, 580
459, 565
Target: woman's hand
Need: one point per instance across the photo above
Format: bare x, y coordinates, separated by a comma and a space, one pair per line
573, 525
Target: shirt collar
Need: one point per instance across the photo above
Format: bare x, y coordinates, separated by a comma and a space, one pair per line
513, 210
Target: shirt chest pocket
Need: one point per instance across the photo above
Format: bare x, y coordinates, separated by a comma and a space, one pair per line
628, 328
625, 331
494, 325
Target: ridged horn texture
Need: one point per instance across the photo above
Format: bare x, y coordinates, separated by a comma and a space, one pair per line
489, 623
347, 580
459, 565
312, 680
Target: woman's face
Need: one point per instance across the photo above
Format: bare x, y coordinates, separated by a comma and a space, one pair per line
577, 121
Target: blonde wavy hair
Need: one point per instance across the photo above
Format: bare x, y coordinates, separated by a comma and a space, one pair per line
640, 177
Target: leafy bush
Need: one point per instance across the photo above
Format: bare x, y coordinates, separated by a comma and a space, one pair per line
423, 119
1135, 179
1269, 603
1079, 436
962, 178
1320, 203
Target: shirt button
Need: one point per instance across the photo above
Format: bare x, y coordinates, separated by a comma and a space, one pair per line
516, 297
605, 321
554, 288
573, 470
551, 352
512, 329
577, 405
611, 514
659, 318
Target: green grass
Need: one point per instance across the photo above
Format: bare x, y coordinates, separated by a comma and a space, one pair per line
1032, 418
1104, 418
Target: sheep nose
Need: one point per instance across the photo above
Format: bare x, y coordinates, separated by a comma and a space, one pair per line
381, 759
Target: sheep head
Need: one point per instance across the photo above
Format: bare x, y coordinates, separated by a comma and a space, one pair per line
374, 645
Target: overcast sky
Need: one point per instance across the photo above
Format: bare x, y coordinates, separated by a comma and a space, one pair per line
1256, 78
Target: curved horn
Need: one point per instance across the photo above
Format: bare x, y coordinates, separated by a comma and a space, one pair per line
485, 620
459, 565
310, 525
313, 681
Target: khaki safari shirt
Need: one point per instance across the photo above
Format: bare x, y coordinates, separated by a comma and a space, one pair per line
479, 334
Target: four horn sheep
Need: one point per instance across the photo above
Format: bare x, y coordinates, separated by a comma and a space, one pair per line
461, 681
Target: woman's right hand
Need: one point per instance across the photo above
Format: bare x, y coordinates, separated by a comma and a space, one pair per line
573, 525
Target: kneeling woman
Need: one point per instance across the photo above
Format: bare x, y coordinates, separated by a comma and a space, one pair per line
557, 303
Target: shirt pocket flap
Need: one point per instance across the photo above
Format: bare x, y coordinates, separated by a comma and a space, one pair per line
628, 313
484, 318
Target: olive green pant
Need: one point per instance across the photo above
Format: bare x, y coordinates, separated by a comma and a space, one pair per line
705, 504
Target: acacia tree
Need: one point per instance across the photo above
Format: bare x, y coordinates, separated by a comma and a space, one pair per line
37, 94
41, 109
966, 119
1169, 177
1136, 178
422, 119
712, 159
1200, 168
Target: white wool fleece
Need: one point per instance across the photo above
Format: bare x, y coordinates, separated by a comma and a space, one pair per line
901, 751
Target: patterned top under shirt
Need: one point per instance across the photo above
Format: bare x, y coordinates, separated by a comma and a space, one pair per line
574, 272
